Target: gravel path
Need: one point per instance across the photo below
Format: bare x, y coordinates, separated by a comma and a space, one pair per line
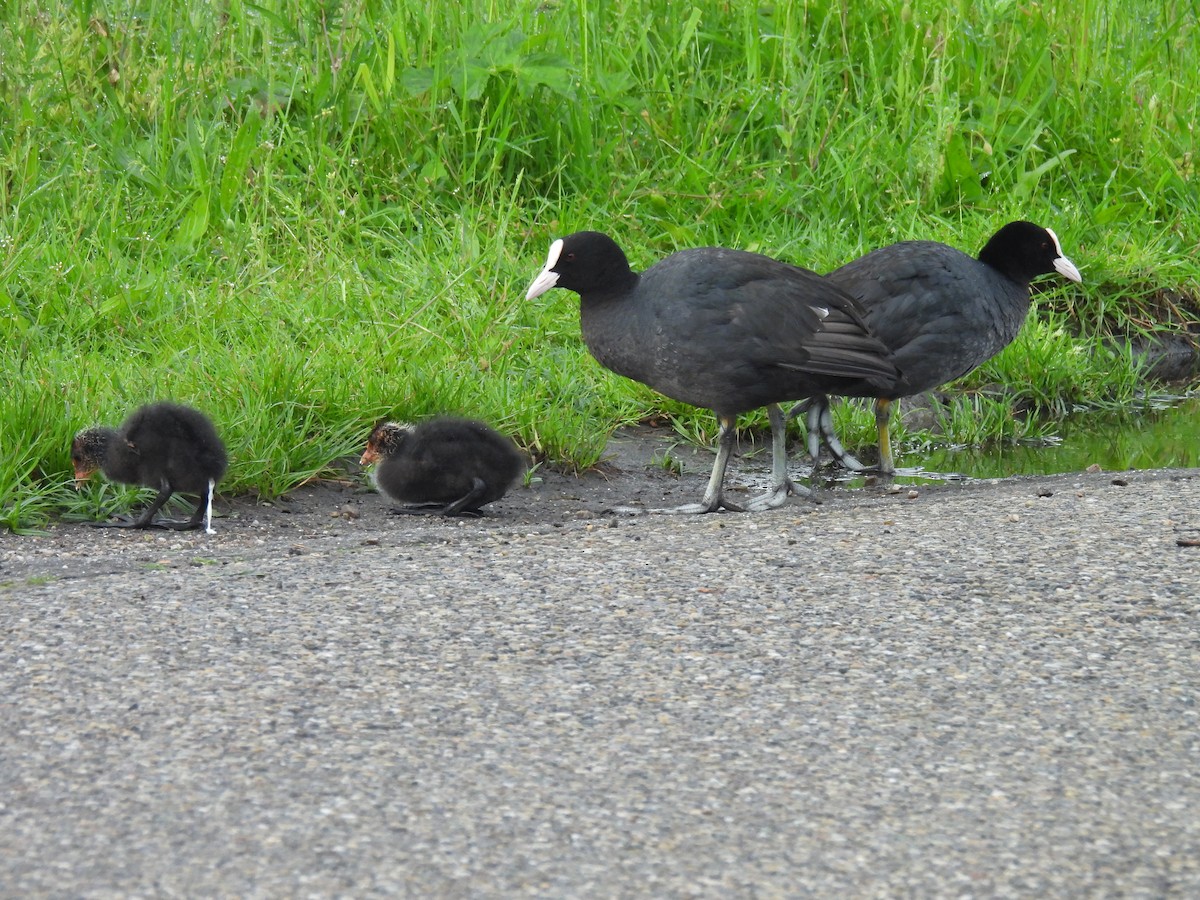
982, 690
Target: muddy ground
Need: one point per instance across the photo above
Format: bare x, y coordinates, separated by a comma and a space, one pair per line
631, 475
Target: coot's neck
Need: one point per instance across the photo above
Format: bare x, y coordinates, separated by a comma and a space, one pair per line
612, 281
613, 286
994, 256
121, 458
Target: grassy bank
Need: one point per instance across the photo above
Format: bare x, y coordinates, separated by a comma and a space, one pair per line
303, 216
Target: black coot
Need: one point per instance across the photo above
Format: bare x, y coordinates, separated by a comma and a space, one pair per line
165, 446
448, 466
722, 329
941, 313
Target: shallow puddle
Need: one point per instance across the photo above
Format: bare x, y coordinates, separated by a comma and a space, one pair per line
1156, 436
1151, 438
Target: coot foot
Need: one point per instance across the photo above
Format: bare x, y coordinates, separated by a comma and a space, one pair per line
777, 496
714, 497
468, 504
416, 509
178, 524
819, 427
145, 520
165, 524
687, 509
120, 521
438, 509
781, 485
434, 509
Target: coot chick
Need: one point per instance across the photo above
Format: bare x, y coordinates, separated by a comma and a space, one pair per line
165, 446
722, 329
448, 466
941, 313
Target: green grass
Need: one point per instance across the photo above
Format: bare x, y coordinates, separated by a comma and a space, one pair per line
302, 216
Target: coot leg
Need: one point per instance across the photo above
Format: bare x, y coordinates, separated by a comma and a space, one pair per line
468, 504
883, 414
812, 427
819, 427
117, 520
199, 516
812, 430
824, 428
203, 507
433, 509
416, 509
714, 497
781, 484
177, 524
189, 524
146, 519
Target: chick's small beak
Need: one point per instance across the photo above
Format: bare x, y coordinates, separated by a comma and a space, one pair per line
370, 455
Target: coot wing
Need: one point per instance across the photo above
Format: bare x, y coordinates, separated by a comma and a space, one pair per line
940, 311
770, 314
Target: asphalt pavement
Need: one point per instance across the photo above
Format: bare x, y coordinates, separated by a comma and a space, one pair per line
974, 691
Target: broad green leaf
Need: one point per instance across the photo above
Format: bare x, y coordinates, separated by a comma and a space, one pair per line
237, 160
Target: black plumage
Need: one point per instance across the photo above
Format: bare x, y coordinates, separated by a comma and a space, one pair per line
722, 329
448, 466
941, 313
165, 446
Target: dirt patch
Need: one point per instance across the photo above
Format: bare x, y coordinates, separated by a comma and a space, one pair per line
644, 466
632, 474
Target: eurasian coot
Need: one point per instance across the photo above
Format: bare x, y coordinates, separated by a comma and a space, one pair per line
941, 313
722, 329
164, 446
448, 466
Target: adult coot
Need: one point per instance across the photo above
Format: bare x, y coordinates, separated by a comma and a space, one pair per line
941, 313
449, 466
164, 446
722, 329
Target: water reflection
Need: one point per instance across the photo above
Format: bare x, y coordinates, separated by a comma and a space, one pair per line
1146, 438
